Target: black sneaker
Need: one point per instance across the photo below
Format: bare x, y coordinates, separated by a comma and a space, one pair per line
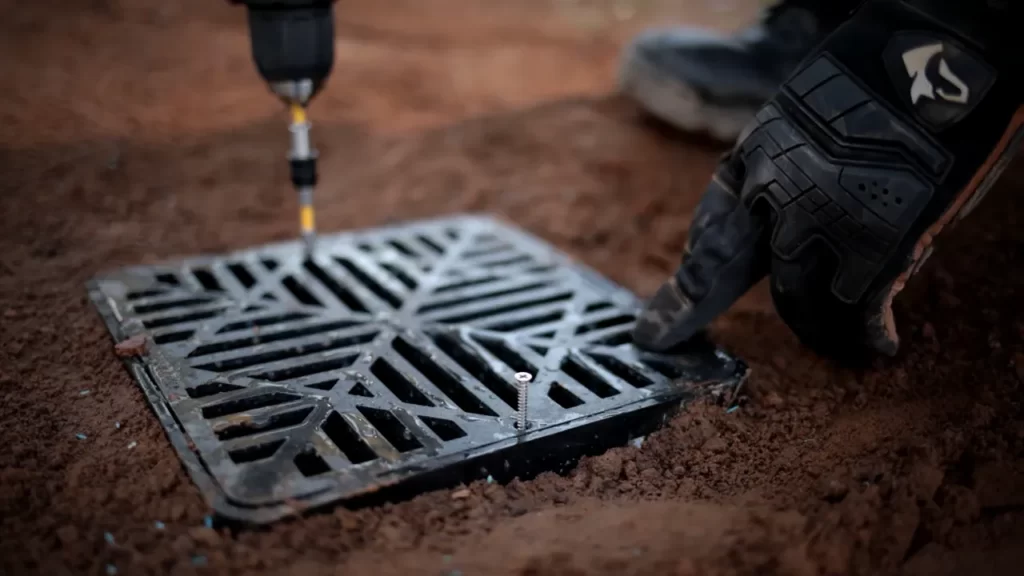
699, 80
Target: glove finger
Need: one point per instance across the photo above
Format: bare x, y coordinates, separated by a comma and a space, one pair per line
728, 254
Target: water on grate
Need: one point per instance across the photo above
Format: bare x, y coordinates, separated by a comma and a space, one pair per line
387, 362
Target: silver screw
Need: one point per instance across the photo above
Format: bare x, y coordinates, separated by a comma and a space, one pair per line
522, 387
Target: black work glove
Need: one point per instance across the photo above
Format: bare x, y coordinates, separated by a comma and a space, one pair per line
897, 124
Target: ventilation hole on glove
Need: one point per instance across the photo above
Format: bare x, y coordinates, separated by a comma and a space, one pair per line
885, 204
899, 200
874, 196
885, 191
862, 187
875, 184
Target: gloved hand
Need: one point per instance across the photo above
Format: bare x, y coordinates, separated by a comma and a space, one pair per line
897, 124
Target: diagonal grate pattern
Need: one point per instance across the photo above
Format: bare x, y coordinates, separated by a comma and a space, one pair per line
387, 361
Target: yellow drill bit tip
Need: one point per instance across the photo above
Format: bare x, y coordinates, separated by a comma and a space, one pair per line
307, 219
298, 114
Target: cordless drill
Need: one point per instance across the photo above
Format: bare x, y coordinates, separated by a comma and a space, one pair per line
293, 47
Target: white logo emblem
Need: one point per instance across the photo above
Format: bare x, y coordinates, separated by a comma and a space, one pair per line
916, 60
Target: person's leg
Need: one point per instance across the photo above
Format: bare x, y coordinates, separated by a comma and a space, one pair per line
699, 80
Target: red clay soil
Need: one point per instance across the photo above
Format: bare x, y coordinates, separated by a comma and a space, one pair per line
137, 132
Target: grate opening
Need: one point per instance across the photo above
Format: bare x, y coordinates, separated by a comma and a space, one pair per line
326, 385
523, 323
248, 403
444, 304
539, 349
597, 307
289, 353
466, 284
229, 345
369, 282
402, 248
400, 275
488, 312
340, 292
341, 433
300, 292
275, 422
310, 369
618, 339
254, 453
444, 380
242, 274
207, 280
518, 259
487, 250
562, 396
444, 429
169, 305
270, 297
431, 244
310, 463
261, 322
211, 389
269, 263
181, 318
624, 371
167, 278
391, 428
606, 323
664, 368
398, 383
172, 337
507, 355
360, 390
477, 367
587, 378
140, 294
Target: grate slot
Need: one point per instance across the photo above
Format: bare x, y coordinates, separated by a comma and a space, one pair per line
627, 373
597, 307
507, 355
402, 248
167, 278
398, 383
563, 397
326, 385
172, 337
664, 368
255, 453
487, 250
269, 337
488, 312
254, 426
369, 282
444, 380
455, 302
466, 284
587, 378
285, 353
617, 320
264, 321
341, 433
169, 305
241, 273
310, 463
302, 370
391, 428
340, 292
444, 429
211, 389
299, 291
434, 246
360, 390
618, 338
269, 263
400, 275
139, 295
247, 403
525, 322
477, 367
207, 280
174, 319
504, 262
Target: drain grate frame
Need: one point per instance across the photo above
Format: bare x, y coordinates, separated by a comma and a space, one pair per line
384, 366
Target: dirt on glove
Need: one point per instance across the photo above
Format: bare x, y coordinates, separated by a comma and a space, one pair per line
910, 466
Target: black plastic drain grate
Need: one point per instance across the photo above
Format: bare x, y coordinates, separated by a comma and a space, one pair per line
385, 365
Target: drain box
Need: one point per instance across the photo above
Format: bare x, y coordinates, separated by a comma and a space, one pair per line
384, 366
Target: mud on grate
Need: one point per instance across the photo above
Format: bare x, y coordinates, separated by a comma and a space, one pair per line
384, 366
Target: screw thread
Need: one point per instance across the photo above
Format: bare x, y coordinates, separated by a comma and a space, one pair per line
522, 387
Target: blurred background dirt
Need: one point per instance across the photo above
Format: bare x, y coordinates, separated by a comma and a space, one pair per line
135, 131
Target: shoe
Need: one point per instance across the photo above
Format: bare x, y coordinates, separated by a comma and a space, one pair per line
701, 81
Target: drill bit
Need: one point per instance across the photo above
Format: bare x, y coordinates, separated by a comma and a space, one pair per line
303, 162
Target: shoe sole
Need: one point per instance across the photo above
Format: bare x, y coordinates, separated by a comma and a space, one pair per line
673, 101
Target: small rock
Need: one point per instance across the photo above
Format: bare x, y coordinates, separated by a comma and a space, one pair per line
716, 444
460, 494
134, 346
607, 465
773, 400
779, 362
834, 490
204, 535
67, 535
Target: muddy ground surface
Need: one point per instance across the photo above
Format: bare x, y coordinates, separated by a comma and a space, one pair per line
134, 132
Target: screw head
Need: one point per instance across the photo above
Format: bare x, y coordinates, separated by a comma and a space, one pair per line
523, 377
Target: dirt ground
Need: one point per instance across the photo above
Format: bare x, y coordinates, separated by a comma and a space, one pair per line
136, 131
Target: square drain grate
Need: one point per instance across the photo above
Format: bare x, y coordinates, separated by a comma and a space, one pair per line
384, 366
